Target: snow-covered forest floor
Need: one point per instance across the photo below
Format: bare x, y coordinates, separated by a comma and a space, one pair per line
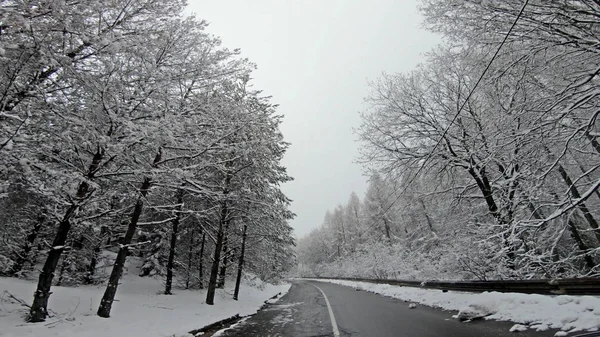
539, 312
140, 308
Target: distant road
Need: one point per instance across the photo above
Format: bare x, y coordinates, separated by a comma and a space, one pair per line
304, 312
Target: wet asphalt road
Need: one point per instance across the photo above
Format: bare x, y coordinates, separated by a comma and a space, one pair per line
303, 312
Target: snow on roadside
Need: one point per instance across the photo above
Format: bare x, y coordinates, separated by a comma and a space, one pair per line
538, 312
222, 331
140, 309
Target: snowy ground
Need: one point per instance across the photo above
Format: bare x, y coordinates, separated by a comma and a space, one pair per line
140, 311
538, 312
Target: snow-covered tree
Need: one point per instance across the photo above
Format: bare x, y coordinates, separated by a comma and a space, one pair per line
126, 118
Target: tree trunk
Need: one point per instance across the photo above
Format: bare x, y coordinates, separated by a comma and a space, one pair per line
240, 265
214, 271
201, 264
358, 226
483, 183
223, 271
343, 230
593, 141
39, 307
63, 266
91, 270
582, 207
174, 233
387, 229
429, 222
23, 254
38, 310
486, 190
113, 281
581, 245
223, 219
574, 234
587, 178
189, 260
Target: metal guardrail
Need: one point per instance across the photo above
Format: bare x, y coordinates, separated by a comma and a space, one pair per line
590, 334
578, 286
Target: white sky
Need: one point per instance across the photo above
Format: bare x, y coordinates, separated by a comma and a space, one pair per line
315, 58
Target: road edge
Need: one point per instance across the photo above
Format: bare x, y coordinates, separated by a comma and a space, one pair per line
336, 331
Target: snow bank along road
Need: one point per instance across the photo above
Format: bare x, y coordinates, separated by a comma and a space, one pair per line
338, 310
142, 309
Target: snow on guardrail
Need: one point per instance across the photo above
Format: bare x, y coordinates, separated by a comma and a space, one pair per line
576, 286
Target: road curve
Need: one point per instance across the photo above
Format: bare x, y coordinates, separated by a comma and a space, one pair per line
303, 312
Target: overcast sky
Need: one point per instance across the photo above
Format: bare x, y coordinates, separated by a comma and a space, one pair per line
315, 57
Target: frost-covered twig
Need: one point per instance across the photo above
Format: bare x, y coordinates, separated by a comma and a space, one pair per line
134, 244
159, 222
574, 203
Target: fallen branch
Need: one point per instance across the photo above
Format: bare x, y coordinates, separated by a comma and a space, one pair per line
20, 301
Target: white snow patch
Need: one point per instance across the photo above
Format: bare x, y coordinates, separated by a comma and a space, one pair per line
284, 306
474, 310
539, 312
139, 309
276, 298
518, 327
220, 332
540, 327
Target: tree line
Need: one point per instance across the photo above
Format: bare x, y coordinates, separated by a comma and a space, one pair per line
485, 157
128, 130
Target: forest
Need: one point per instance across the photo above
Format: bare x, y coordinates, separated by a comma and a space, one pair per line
128, 131
483, 160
